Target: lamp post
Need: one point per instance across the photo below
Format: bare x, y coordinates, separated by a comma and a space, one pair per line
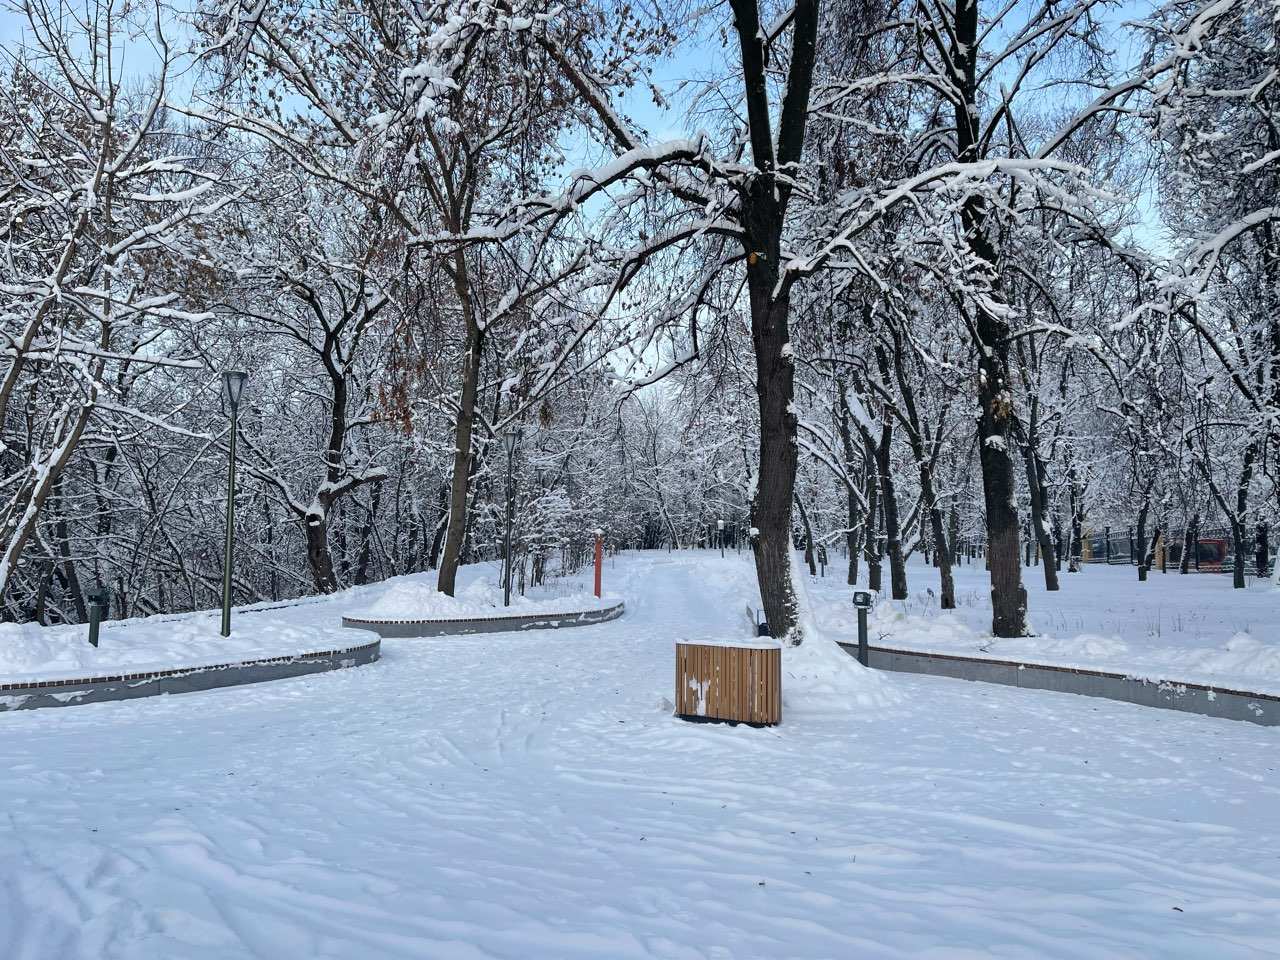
509, 441
232, 388
720, 528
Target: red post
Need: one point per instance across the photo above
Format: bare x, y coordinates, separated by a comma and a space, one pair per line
599, 558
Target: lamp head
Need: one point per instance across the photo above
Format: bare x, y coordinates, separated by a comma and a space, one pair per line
719, 524
510, 438
233, 385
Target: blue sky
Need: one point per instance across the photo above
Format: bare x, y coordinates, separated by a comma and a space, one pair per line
696, 57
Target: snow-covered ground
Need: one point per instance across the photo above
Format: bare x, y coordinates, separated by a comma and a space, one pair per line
1192, 628
32, 652
415, 597
530, 796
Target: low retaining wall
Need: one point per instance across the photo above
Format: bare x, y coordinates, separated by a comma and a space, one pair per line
457, 628
151, 683
1197, 698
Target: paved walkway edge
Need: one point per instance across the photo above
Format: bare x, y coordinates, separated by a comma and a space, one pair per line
458, 628
152, 683
1262, 708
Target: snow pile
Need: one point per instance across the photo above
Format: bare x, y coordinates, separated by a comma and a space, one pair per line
1190, 629
31, 652
416, 598
1242, 662
818, 675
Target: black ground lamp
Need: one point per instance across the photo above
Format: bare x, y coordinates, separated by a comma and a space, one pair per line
862, 600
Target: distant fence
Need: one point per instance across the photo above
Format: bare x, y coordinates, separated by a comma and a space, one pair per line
1212, 550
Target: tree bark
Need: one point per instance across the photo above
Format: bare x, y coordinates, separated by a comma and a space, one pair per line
462, 432
763, 197
318, 556
1190, 544
889, 504
1038, 491
871, 537
853, 539
943, 552
809, 556
991, 335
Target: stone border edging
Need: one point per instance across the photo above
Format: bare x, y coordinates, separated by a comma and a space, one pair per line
1199, 698
458, 628
151, 683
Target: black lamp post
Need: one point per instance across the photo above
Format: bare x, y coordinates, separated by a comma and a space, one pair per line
510, 439
232, 388
720, 529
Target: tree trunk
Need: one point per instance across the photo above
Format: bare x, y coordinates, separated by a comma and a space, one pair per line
809, 557
995, 387
1237, 544
889, 504
1190, 544
462, 431
1142, 538
776, 475
924, 463
318, 556
763, 199
853, 538
953, 536
366, 536
1038, 491
871, 535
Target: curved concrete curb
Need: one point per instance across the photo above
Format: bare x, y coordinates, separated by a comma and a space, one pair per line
1262, 708
151, 683
458, 628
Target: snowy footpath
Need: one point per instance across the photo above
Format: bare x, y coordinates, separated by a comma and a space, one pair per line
530, 796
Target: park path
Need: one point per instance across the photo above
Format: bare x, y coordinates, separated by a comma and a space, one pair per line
529, 795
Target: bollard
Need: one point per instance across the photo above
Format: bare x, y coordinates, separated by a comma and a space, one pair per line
599, 558
99, 603
862, 602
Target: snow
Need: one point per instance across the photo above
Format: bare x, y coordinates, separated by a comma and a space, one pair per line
31, 652
415, 597
530, 796
1192, 628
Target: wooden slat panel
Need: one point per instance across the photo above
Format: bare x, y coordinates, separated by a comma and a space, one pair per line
716, 682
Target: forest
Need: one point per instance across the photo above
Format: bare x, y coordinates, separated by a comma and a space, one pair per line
983, 281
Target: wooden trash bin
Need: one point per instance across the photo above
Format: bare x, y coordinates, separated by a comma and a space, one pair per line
738, 683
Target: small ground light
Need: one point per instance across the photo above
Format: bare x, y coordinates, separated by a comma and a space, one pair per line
99, 604
862, 600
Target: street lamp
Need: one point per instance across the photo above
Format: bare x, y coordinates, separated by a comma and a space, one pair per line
720, 527
232, 388
510, 439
